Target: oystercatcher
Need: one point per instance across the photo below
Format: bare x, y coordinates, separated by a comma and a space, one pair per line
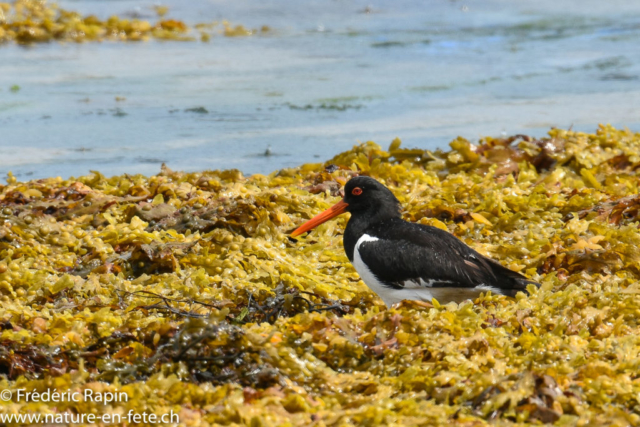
400, 260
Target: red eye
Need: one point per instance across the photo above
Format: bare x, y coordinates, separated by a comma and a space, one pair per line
356, 191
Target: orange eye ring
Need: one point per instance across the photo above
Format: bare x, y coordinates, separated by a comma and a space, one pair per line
356, 191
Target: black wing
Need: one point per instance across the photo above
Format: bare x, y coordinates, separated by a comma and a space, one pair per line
409, 254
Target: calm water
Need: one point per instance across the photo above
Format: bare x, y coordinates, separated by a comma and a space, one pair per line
332, 73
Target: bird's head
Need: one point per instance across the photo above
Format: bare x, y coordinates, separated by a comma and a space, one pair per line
363, 197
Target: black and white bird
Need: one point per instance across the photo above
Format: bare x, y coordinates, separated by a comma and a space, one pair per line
400, 260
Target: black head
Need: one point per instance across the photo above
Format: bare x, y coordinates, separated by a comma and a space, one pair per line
366, 196
368, 201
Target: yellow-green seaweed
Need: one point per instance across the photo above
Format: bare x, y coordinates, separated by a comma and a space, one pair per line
35, 21
184, 291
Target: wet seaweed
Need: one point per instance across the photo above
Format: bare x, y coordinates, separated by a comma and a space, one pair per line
185, 290
31, 21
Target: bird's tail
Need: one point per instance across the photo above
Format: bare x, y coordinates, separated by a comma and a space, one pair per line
514, 281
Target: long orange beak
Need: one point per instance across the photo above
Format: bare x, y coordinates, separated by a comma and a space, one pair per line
325, 216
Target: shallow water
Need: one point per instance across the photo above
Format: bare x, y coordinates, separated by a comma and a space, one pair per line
330, 74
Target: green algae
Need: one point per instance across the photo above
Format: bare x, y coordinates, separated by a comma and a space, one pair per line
184, 291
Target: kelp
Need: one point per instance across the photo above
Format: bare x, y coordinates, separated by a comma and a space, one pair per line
35, 21
185, 291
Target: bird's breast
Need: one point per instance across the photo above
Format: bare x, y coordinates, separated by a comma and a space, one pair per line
363, 269
389, 294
